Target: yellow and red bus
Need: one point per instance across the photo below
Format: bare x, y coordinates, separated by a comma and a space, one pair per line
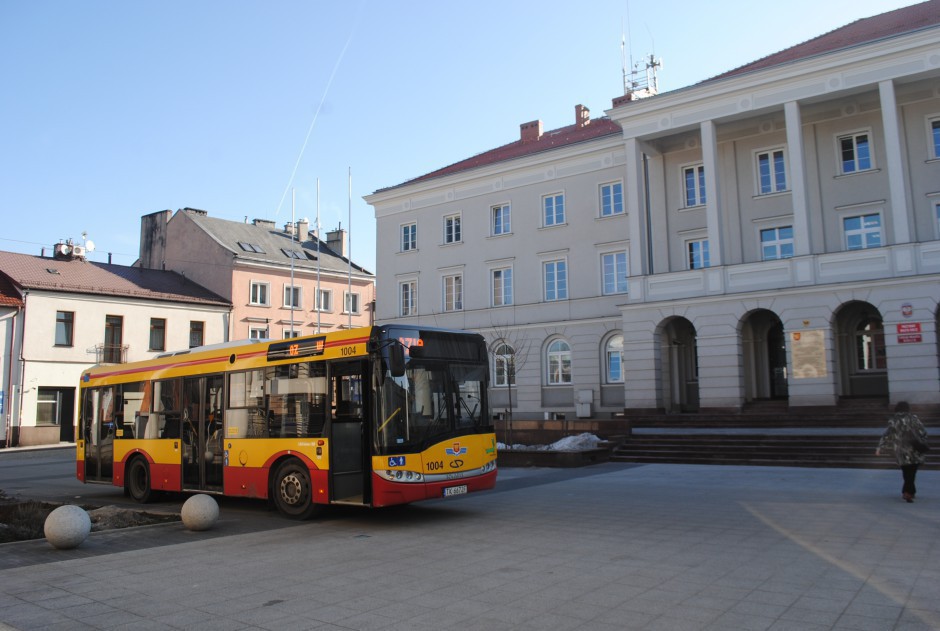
374, 416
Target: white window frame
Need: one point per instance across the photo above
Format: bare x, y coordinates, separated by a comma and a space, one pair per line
698, 190
324, 295
287, 333
409, 287
611, 351
503, 375
452, 229
559, 288
258, 333
775, 186
452, 292
616, 277
558, 362
853, 136
500, 295
501, 218
354, 298
933, 137
554, 198
863, 231
610, 197
252, 298
776, 243
704, 254
408, 242
289, 295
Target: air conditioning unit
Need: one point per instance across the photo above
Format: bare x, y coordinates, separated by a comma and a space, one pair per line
78, 250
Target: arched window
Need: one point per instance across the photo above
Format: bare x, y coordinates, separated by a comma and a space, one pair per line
870, 345
558, 363
504, 365
613, 359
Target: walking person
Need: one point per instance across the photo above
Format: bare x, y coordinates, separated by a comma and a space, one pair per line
907, 437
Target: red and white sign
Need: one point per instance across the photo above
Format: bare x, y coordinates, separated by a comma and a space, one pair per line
909, 333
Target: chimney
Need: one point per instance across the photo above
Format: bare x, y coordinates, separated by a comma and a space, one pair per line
289, 228
303, 230
582, 116
530, 131
263, 223
336, 241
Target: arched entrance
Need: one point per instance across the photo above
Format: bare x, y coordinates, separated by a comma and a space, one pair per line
860, 348
678, 369
765, 356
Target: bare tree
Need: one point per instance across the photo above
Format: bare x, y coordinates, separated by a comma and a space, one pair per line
519, 347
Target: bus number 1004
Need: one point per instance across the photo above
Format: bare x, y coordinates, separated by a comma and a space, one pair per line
435, 465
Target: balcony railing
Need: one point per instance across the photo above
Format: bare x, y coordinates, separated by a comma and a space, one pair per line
111, 353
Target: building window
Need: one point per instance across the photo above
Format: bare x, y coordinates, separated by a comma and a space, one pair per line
553, 210
855, 153
862, 232
197, 334
157, 334
452, 229
614, 273
502, 286
49, 405
611, 199
771, 172
776, 243
113, 339
251, 247
453, 292
351, 303
698, 253
64, 327
504, 372
936, 213
558, 362
324, 300
291, 332
259, 294
613, 354
293, 254
501, 219
556, 280
870, 345
409, 237
292, 297
693, 181
408, 302
257, 333
934, 141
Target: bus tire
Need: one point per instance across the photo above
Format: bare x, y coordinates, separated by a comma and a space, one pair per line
138, 480
292, 490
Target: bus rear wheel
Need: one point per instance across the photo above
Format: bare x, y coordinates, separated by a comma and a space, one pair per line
293, 493
138, 481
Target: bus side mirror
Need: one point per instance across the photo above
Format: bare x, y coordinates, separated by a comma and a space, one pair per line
396, 360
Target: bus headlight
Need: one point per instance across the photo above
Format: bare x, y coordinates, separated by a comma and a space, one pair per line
401, 476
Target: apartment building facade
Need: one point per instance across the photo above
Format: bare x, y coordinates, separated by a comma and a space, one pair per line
771, 233
281, 282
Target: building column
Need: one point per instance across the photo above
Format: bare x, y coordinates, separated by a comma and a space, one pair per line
802, 239
894, 158
635, 200
712, 192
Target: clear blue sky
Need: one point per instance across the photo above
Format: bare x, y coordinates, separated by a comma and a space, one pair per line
112, 110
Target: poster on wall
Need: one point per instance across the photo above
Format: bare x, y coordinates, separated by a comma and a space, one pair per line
808, 352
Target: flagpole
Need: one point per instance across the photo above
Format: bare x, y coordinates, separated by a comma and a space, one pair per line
319, 301
293, 234
349, 251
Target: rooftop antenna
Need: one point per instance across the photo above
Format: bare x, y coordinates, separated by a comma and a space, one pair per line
637, 83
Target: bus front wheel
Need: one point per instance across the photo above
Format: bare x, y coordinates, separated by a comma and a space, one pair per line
293, 494
138, 481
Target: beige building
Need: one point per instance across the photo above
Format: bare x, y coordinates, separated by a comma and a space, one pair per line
281, 282
62, 314
771, 233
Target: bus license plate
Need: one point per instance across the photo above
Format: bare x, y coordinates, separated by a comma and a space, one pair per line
455, 490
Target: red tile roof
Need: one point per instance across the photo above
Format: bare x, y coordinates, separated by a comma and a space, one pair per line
864, 31
562, 137
9, 296
85, 277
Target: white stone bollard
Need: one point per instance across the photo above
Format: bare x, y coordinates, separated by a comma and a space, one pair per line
67, 527
200, 512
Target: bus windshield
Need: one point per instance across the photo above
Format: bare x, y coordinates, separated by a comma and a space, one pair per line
433, 401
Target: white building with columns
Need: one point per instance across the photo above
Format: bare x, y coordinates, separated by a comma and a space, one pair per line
770, 233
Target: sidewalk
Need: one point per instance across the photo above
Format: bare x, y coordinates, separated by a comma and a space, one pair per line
606, 547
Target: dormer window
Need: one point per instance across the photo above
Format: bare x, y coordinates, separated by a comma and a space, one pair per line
251, 247
293, 254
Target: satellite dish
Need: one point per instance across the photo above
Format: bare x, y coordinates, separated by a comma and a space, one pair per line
90, 245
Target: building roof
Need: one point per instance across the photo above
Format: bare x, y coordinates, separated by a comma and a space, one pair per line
272, 242
865, 31
9, 296
78, 276
557, 138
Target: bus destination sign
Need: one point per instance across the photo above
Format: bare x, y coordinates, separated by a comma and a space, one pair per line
296, 347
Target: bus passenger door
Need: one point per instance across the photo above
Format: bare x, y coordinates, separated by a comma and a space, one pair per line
202, 435
349, 453
98, 426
